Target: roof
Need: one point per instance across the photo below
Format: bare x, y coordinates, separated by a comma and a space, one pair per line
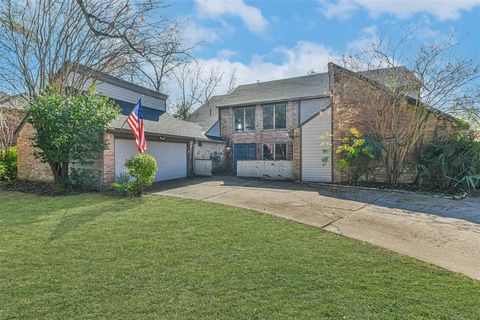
207, 114
105, 77
166, 125
117, 82
303, 87
404, 76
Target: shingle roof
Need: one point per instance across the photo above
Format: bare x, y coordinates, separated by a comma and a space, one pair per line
207, 114
166, 125
302, 87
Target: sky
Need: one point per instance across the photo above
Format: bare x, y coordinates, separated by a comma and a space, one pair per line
268, 39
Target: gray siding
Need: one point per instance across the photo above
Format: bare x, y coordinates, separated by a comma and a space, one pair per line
315, 146
311, 106
214, 130
126, 95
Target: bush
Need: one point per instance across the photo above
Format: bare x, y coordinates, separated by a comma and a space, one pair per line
218, 163
358, 153
453, 162
69, 129
84, 179
8, 164
140, 174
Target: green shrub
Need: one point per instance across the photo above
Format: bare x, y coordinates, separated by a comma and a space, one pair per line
358, 153
218, 164
140, 174
84, 179
453, 162
124, 184
8, 164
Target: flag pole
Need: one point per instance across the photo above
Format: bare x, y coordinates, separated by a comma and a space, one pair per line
127, 117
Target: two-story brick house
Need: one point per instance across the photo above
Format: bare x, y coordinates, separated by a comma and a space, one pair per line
285, 128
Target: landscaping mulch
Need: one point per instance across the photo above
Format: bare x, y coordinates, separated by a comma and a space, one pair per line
38, 188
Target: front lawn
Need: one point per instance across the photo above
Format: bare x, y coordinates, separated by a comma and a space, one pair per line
94, 256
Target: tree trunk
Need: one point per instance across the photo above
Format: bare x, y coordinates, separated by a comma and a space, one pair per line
55, 167
59, 171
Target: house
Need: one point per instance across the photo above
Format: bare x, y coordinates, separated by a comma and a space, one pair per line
11, 113
285, 128
175, 144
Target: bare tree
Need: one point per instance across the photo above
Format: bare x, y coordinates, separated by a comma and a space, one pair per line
159, 44
232, 81
435, 81
40, 37
196, 86
165, 55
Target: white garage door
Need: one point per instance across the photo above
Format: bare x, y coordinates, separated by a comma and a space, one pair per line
315, 148
171, 157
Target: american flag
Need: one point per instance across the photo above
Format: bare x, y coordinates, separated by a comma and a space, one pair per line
135, 121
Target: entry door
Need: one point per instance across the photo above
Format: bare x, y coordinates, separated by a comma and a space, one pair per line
244, 151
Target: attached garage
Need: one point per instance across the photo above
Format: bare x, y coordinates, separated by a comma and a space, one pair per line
171, 157
315, 147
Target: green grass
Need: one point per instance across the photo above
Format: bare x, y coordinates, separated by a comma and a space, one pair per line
94, 256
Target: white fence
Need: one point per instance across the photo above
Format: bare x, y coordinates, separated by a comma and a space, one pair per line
265, 169
202, 167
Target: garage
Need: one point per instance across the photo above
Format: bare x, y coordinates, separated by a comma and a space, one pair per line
171, 157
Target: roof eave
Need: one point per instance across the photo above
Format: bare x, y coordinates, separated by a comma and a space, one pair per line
255, 102
160, 134
98, 75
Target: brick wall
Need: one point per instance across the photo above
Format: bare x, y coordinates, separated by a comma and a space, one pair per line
282, 170
259, 136
107, 160
297, 154
206, 149
354, 102
30, 168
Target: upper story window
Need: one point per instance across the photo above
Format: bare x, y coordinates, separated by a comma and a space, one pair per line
274, 117
244, 119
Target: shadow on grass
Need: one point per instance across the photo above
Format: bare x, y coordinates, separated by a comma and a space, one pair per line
81, 215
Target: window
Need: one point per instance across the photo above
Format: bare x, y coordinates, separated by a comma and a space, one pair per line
274, 117
244, 119
274, 151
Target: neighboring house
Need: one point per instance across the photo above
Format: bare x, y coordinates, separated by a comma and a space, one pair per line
11, 113
285, 128
171, 141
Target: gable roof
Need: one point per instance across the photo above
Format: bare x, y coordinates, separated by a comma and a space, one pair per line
296, 88
207, 114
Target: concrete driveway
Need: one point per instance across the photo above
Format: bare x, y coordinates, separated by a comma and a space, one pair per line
436, 230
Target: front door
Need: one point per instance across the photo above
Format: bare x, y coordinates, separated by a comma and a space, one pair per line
243, 151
